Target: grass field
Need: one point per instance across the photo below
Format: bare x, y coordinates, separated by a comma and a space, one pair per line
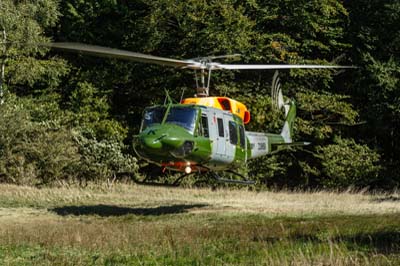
142, 225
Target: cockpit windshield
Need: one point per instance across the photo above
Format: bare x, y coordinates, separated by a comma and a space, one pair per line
179, 115
153, 115
182, 116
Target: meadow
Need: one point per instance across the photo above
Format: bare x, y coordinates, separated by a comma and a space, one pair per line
129, 224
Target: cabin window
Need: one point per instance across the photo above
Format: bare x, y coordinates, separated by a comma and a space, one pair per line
242, 137
153, 115
233, 137
182, 116
204, 126
220, 127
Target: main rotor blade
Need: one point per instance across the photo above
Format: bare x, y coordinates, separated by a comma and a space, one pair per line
120, 54
191, 64
244, 67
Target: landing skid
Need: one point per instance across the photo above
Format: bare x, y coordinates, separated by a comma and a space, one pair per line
245, 181
219, 179
175, 183
210, 174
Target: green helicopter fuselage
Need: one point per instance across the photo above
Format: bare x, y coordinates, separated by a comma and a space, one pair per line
193, 137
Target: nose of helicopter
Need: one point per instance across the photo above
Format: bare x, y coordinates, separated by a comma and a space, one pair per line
165, 141
151, 142
162, 139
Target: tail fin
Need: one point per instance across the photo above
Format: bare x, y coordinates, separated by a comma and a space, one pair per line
289, 108
287, 130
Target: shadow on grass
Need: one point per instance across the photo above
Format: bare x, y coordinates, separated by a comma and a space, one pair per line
108, 210
387, 198
371, 233
384, 242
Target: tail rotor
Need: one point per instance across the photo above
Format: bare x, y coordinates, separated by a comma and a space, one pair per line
276, 94
289, 107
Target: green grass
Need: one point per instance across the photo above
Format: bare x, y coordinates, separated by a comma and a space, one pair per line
137, 225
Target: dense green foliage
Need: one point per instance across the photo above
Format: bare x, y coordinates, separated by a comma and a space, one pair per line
22, 24
41, 145
102, 99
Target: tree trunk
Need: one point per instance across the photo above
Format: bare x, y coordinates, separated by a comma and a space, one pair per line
3, 66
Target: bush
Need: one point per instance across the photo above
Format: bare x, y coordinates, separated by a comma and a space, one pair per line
347, 163
39, 147
103, 159
31, 152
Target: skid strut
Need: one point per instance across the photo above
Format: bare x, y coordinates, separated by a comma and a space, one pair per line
245, 181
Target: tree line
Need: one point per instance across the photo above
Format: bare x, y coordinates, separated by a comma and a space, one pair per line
72, 117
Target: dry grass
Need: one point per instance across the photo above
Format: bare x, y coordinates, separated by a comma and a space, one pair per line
174, 226
272, 204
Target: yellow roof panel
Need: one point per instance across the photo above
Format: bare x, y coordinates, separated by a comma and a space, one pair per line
223, 103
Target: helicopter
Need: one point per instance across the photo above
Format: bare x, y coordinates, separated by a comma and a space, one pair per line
204, 134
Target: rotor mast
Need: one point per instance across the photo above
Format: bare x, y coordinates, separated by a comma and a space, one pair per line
205, 66
202, 89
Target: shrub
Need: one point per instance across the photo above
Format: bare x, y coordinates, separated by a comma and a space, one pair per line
346, 163
103, 159
32, 152
39, 147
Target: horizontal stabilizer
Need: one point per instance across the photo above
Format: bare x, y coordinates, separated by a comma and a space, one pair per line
293, 144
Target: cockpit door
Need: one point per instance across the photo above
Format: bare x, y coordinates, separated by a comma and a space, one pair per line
221, 136
229, 147
223, 150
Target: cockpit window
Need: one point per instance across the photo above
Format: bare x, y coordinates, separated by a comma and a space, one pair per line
153, 115
204, 126
182, 116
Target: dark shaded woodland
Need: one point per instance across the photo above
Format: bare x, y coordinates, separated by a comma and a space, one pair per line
72, 117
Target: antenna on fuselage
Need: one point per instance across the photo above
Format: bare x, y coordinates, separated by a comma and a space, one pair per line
183, 92
167, 98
